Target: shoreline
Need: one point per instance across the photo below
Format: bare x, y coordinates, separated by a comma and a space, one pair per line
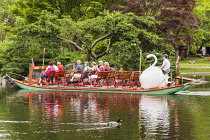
196, 73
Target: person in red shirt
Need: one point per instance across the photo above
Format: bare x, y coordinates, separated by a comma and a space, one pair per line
60, 71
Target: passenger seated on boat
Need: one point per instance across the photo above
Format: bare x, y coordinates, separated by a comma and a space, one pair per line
47, 72
86, 74
55, 66
60, 71
106, 66
86, 69
78, 76
101, 66
94, 66
79, 66
93, 77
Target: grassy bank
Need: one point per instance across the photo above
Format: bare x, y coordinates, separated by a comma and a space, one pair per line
200, 65
194, 70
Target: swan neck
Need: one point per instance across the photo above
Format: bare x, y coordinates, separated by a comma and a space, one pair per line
154, 64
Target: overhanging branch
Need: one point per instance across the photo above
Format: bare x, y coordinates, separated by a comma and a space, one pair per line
72, 42
107, 49
99, 39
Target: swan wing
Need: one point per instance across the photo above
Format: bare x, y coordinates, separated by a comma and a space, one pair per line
152, 77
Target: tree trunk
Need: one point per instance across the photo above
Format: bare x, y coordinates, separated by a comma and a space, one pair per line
89, 56
185, 53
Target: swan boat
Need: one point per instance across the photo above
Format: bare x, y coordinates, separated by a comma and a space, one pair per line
162, 91
31, 84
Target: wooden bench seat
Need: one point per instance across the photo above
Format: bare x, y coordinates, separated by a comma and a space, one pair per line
206, 58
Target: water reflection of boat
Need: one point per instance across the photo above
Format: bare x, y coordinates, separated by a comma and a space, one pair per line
91, 107
155, 114
53, 104
88, 111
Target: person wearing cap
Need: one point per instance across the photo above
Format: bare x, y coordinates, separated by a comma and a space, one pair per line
166, 64
79, 66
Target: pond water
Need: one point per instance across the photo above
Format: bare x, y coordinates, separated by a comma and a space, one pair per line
54, 115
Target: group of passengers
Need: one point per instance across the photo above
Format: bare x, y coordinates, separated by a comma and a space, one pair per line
101, 67
59, 69
53, 66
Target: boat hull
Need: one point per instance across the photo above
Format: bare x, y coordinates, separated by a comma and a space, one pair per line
163, 91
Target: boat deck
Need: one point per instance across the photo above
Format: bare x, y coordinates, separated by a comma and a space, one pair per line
91, 87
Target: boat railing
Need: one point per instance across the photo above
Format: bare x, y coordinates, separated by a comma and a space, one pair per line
108, 78
123, 78
135, 78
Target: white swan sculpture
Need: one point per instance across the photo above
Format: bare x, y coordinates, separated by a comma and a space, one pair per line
153, 76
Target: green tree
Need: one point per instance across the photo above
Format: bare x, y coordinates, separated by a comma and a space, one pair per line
110, 33
203, 35
4, 9
29, 40
76, 9
175, 17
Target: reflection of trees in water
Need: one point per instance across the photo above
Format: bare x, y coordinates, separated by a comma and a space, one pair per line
157, 115
144, 116
88, 107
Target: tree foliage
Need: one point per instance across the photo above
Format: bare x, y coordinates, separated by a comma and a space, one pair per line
175, 17
84, 29
115, 30
178, 23
76, 9
203, 35
30, 40
110, 33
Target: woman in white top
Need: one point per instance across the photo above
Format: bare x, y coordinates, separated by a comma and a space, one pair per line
55, 66
95, 67
93, 77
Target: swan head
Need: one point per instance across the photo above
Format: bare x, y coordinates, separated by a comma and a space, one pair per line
150, 55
